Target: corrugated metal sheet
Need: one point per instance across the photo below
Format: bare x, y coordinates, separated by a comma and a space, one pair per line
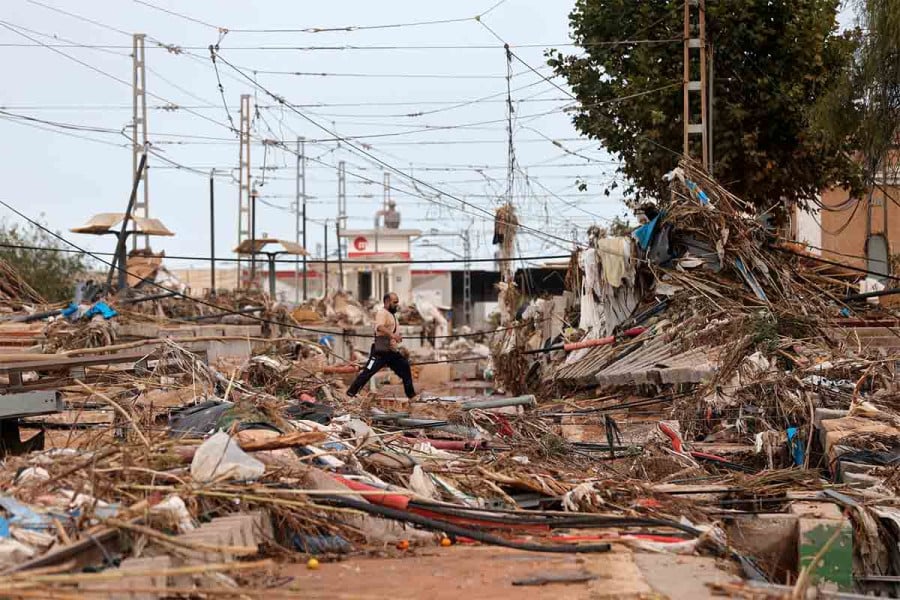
112, 222
868, 338
142, 267
585, 367
660, 364
257, 246
656, 360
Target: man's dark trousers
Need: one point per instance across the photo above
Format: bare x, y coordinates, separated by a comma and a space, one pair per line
391, 359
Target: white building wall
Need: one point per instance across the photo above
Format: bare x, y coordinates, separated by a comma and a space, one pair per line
435, 288
808, 229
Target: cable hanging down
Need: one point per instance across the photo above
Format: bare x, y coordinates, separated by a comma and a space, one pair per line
362, 151
225, 311
534, 231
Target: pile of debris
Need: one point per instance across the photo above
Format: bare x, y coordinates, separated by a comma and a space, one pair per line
724, 349
722, 394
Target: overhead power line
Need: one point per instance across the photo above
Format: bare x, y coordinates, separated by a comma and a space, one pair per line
80, 18
205, 170
324, 29
385, 164
337, 138
390, 75
180, 15
174, 48
225, 311
174, 107
565, 91
97, 70
293, 261
66, 133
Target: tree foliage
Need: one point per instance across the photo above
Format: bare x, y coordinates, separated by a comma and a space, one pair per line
862, 109
772, 60
619, 227
51, 273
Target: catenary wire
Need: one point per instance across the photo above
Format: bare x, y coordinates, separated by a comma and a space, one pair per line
565, 91
399, 261
278, 99
388, 166
153, 151
225, 311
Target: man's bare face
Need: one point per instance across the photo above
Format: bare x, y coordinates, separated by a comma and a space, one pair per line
393, 303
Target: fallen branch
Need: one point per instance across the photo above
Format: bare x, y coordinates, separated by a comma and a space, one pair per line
119, 410
179, 543
288, 440
113, 574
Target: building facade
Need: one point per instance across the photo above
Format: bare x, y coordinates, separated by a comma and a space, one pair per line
862, 231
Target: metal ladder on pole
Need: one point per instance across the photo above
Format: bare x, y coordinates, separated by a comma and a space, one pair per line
695, 125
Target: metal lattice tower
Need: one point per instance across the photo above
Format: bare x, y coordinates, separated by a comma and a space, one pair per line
300, 215
342, 195
340, 224
139, 132
695, 89
245, 218
467, 278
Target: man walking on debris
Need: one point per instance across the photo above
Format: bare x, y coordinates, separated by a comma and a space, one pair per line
384, 350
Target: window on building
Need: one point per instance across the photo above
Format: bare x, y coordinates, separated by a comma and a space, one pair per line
877, 257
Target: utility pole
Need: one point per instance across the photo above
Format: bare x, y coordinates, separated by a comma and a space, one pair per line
139, 130
467, 278
244, 209
119, 259
325, 288
337, 234
342, 194
212, 234
695, 90
300, 227
341, 222
386, 197
253, 195
710, 86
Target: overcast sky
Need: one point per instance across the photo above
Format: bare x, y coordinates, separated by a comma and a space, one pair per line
65, 179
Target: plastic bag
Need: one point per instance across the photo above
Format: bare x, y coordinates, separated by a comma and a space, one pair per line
420, 482
174, 511
220, 457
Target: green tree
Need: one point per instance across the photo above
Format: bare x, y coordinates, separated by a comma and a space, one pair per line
619, 227
50, 272
773, 60
862, 109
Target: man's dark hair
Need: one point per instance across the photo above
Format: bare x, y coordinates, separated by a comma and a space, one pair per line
387, 297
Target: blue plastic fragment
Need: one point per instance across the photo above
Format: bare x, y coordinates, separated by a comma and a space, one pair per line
320, 544
22, 515
798, 452
334, 446
101, 308
4, 528
750, 279
644, 233
107, 512
69, 310
696, 191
